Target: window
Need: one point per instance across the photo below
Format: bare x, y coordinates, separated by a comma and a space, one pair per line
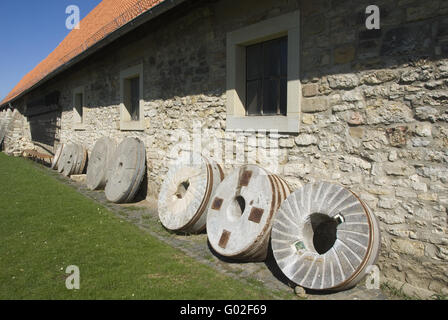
78, 108
266, 77
132, 97
79, 102
131, 109
263, 83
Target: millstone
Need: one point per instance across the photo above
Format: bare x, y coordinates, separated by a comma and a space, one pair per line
325, 238
240, 217
62, 159
73, 160
78, 161
57, 157
81, 160
100, 163
128, 170
186, 192
70, 157
85, 156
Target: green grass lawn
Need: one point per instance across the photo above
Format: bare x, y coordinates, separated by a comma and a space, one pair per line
46, 226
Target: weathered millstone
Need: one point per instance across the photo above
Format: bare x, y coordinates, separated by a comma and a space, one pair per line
100, 163
62, 158
57, 157
242, 211
325, 238
186, 192
73, 160
128, 170
79, 159
70, 156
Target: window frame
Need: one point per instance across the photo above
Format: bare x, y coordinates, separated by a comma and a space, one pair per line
126, 122
78, 119
237, 42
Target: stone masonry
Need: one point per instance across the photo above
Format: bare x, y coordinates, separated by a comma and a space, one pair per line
374, 110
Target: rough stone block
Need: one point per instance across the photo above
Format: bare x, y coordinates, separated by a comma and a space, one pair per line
414, 248
80, 178
398, 169
346, 81
397, 136
305, 140
310, 90
357, 132
311, 105
388, 112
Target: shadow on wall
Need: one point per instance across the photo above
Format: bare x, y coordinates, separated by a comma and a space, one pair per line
44, 116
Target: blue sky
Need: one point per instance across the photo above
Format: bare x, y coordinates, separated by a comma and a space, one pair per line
29, 31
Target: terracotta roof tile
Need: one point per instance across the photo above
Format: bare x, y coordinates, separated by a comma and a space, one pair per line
104, 19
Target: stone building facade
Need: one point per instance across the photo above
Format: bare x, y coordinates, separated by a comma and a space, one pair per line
369, 110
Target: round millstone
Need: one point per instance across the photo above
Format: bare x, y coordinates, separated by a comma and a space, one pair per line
62, 159
128, 170
100, 163
84, 158
57, 157
241, 213
69, 160
79, 158
186, 192
324, 237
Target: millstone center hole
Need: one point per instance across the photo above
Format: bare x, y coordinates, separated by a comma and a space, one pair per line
182, 189
241, 205
321, 231
236, 209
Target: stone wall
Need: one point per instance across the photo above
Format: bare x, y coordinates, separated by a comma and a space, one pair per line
374, 110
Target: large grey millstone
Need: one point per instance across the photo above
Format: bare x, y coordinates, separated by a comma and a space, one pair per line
70, 156
241, 213
57, 157
186, 192
100, 163
324, 237
128, 170
73, 160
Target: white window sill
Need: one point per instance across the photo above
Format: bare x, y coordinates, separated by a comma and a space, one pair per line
278, 123
79, 127
132, 126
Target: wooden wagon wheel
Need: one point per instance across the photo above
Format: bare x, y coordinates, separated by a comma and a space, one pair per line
324, 237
